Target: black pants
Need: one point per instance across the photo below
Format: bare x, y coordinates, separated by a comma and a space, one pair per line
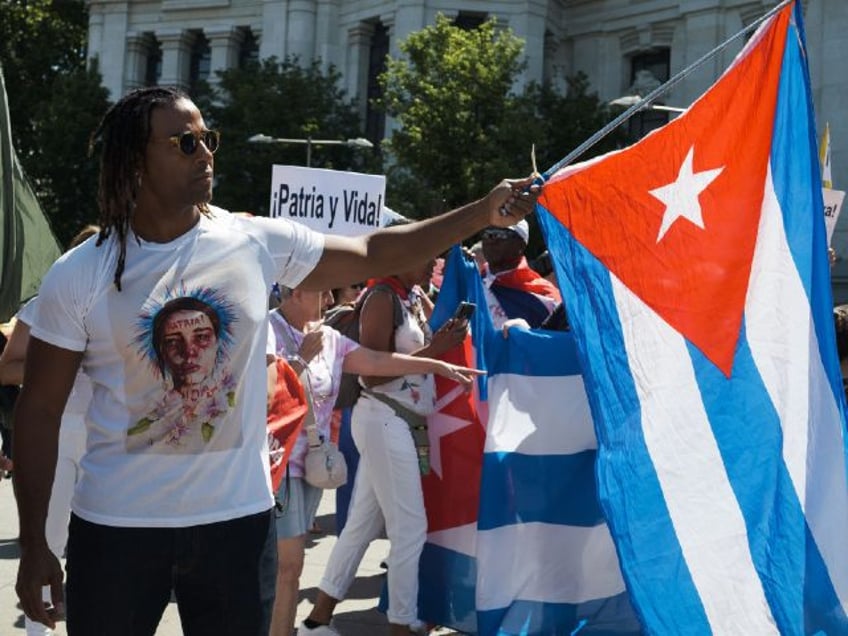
223, 575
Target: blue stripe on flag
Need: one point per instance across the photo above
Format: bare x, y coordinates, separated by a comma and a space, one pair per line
758, 476
522, 488
599, 618
794, 182
822, 610
544, 353
670, 600
447, 596
797, 179
794, 189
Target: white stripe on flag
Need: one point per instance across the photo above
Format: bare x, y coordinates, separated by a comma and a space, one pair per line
462, 539
781, 356
786, 352
545, 563
539, 415
690, 471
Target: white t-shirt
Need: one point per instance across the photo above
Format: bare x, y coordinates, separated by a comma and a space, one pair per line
72, 429
324, 377
416, 391
176, 427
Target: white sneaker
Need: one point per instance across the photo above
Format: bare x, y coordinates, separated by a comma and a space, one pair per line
419, 627
321, 630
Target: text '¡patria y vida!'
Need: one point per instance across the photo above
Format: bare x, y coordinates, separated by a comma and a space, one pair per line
357, 208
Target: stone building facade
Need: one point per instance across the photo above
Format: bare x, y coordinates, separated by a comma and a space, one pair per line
622, 45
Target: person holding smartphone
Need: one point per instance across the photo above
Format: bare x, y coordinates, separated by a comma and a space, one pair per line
387, 428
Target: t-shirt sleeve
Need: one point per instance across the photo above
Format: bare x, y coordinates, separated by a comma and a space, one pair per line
59, 318
346, 345
294, 248
26, 314
338, 346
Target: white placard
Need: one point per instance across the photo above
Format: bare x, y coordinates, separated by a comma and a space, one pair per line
832, 206
329, 201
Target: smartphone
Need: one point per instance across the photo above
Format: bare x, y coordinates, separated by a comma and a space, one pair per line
464, 311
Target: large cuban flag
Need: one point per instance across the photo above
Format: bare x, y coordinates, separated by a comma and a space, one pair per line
517, 543
694, 266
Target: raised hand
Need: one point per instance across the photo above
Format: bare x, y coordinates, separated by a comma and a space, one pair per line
511, 200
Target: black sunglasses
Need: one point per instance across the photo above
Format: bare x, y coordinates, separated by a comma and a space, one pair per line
498, 234
188, 141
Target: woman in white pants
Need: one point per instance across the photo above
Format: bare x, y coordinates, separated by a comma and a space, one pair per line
387, 490
326, 353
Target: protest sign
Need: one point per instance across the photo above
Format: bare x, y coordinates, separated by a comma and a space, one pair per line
832, 206
329, 201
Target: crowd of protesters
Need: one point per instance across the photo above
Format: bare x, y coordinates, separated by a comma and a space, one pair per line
141, 366
165, 312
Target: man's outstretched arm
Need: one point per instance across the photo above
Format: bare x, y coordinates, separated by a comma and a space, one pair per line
391, 250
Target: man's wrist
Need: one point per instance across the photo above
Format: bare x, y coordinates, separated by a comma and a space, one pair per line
32, 542
482, 213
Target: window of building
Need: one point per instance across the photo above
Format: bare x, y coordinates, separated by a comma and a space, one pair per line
375, 120
201, 60
153, 61
647, 71
469, 20
248, 49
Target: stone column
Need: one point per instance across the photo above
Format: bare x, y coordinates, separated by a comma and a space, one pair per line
702, 32
95, 31
553, 69
176, 57
273, 32
409, 16
393, 32
110, 20
301, 30
359, 45
529, 23
327, 33
224, 42
136, 60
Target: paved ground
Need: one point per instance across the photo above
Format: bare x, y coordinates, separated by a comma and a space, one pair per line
355, 616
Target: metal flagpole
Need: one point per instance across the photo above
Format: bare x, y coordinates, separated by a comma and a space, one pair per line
659, 90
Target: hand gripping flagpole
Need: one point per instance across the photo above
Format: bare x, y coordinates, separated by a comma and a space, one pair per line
659, 90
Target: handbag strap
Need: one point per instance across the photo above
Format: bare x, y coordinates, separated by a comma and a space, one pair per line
416, 421
309, 421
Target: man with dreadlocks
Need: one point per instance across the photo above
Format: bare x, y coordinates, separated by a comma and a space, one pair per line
175, 490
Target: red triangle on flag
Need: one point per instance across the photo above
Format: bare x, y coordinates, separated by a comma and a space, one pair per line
675, 216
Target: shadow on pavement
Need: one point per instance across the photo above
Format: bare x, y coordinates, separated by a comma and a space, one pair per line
360, 622
363, 587
9, 549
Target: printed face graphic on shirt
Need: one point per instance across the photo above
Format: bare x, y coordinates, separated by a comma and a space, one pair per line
185, 339
189, 346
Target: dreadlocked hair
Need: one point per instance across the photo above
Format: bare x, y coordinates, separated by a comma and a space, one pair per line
123, 134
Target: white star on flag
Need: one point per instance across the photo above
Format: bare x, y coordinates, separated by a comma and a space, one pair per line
681, 196
440, 425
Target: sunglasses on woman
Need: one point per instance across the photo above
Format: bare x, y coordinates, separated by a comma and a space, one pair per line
498, 234
188, 141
